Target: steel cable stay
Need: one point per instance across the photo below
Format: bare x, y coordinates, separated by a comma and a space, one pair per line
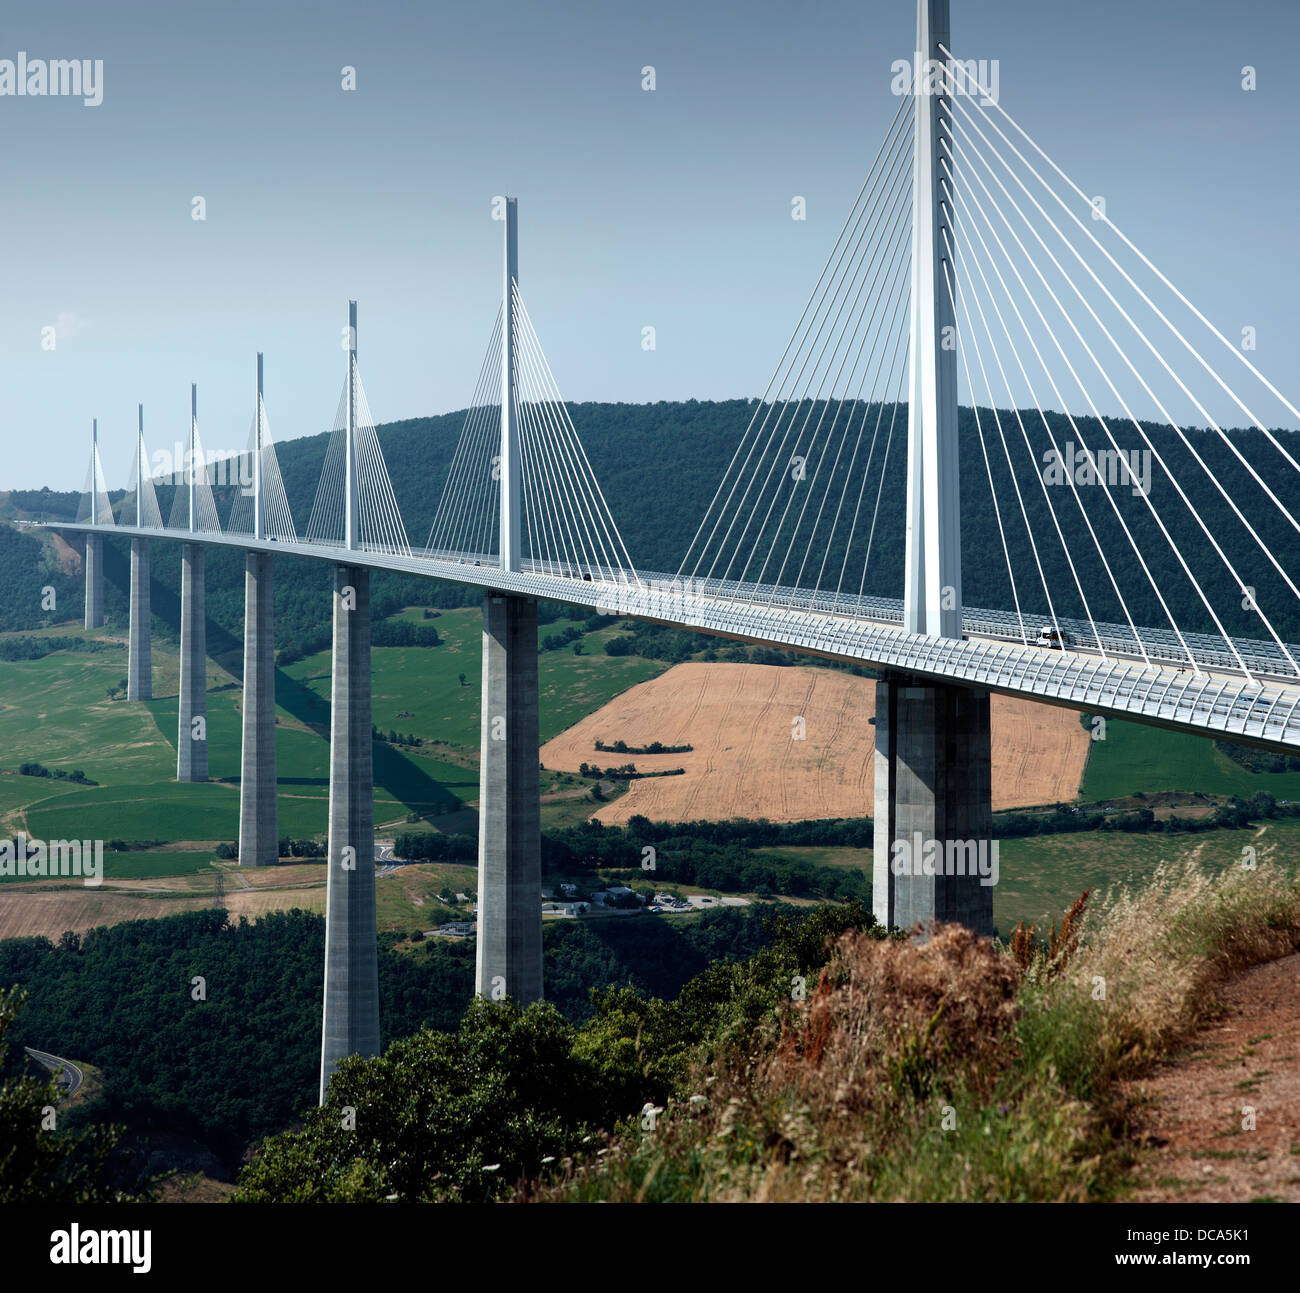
1104, 218
1173, 423
979, 432
900, 345
869, 343
831, 265
886, 327
453, 521
966, 293
1101, 552
815, 355
864, 268
1131, 417
325, 525
878, 182
564, 482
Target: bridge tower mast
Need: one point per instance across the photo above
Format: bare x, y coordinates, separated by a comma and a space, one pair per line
932, 593
94, 617
511, 474
192, 701
349, 460
139, 664
350, 1018
259, 823
191, 475
259, 516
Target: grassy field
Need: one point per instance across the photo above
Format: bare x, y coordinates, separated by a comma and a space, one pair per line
1041, 876
1135, 757
145, 865
56, 711
418, 691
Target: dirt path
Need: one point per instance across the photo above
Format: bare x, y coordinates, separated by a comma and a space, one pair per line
1249, 1060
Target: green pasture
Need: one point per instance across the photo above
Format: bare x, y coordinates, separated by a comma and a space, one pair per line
1135, 757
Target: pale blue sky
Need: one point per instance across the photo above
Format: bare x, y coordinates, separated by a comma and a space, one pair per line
669, 208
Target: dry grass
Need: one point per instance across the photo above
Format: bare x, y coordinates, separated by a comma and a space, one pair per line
949, 1071
1149, 963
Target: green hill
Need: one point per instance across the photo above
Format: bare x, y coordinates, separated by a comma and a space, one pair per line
660, 464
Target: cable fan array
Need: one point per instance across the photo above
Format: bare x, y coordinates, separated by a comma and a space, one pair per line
465, 523
378, 520
94, 507
1082, 503
277, 519
139, 504
799, 503
567, 530
205, 507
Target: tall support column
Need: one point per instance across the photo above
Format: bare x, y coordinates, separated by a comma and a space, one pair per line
139, 667
351, 1015
192, 721
934, 855
259, 840
94, 581
509, 957
510, 465
932, 595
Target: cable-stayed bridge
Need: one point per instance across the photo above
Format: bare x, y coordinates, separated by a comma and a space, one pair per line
971, 273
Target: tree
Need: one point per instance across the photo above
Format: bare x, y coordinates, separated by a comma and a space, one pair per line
462, 679
440, 1117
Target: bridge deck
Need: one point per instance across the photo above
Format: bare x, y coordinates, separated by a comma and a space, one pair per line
1210, 697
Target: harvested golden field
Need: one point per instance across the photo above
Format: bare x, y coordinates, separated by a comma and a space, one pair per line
747, 762
49, 909
406, 898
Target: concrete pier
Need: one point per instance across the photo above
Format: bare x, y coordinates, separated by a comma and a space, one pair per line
933, 815
351, 1017
192, 723
259, 839
94, 581
509, 960
139, 669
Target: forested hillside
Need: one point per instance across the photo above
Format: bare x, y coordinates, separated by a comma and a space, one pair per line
209, 1028
659, 466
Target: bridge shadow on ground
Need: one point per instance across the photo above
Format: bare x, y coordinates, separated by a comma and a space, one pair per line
394, 772
652, 952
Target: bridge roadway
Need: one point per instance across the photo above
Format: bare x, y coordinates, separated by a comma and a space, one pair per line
1214, 699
